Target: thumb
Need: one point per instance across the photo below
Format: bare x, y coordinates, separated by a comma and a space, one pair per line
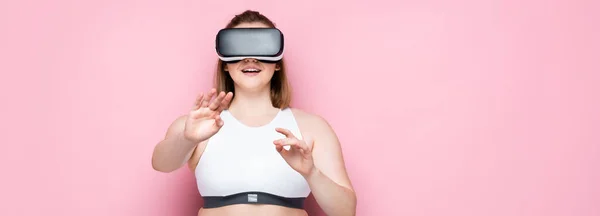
218, 121
282, 151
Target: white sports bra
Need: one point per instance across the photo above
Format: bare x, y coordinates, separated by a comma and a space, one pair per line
240, 165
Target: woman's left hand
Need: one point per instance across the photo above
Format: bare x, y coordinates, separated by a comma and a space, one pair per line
299, 155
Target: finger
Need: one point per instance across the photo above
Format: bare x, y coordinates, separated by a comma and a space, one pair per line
285, 141
285, 132
218, 121
225, 102
208, 97
217, 101
198, 101
303, 147
291, 143
199, 113
278, 148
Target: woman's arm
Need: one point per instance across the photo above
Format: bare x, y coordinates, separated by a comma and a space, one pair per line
199, 125
329, 181
174, 150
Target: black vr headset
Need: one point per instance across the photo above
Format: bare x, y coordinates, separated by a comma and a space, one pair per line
263, 44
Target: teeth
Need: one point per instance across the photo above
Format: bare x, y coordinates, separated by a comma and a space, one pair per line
251, 70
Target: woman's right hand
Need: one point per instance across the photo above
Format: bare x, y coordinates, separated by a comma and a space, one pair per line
204, 120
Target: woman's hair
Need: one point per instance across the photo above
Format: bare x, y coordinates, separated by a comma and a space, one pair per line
280, 88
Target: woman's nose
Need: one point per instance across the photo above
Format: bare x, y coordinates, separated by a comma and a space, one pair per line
250, 60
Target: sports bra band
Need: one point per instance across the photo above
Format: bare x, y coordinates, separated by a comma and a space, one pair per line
252, 198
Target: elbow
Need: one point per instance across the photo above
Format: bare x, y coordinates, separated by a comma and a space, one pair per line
348, 208
160, 167
160, 162
156, 166
353, 202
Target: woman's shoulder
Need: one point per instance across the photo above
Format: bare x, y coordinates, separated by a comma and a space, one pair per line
310, 121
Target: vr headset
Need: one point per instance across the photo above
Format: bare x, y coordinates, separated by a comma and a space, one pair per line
263, 44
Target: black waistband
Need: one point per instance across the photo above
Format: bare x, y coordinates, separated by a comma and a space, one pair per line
253, 198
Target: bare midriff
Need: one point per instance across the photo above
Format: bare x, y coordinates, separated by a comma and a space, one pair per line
252, 209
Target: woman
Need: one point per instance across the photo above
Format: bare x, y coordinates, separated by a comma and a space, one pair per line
251, 153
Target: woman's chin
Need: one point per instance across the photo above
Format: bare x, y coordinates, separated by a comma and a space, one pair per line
252, 86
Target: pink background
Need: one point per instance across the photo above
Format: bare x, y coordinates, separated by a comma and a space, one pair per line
442, 107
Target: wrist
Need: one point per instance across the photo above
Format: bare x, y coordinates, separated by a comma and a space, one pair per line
185, 139
312, 173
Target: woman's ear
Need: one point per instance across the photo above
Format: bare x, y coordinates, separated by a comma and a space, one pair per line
277, 67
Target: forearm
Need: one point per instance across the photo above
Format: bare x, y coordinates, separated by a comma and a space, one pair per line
334, 199
172, 153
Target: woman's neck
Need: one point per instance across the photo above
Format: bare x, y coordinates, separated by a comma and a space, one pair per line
252, 103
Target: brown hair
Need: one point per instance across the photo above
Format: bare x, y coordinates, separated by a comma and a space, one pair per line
280, 88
